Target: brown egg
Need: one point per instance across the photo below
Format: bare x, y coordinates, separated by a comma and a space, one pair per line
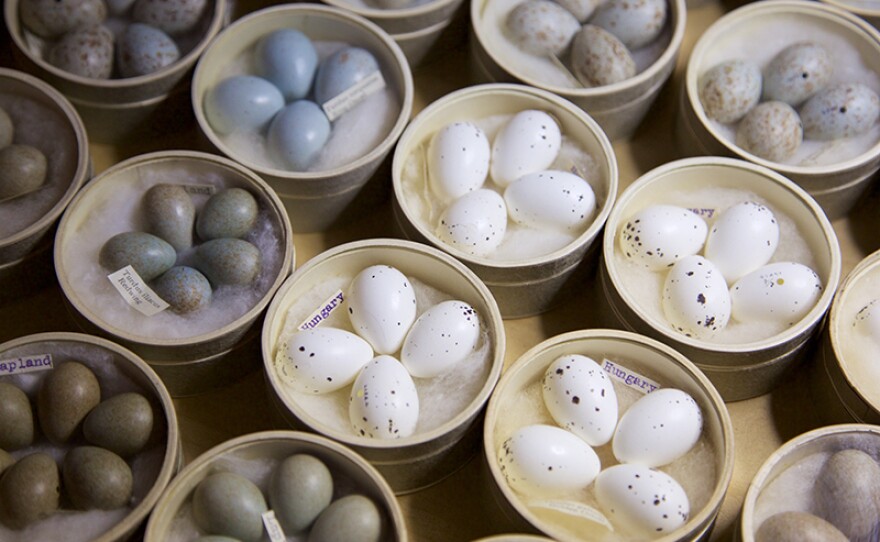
16, 418
121, 424
96, 478
65, 398
29, 491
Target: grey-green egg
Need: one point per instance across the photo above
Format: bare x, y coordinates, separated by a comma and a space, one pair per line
301, 487
66, 396
798, 527
730, 89
541, 27
149, 255
95, 478
598, 58
22, 170
840, 111
170, 214
16, 418
229, 261
186, 289
229, 213
229, 504
87, 52
29, 491
847, 493
6, 460
797, 72
7, 129
353, 518
52, 18
771, 130
121, 424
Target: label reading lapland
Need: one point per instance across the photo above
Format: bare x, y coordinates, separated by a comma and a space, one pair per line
135, 291
323, 312
26, 364
629, 378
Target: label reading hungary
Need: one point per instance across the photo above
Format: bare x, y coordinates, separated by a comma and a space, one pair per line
323, 312
26, 364
629, 378
135, 291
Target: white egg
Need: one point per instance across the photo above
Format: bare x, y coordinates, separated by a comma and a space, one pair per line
779, 292
642, 501
544, 460
743, 238
695, 297
581, 398
322, 359
440, 338
384, 402
658, 236
658, 428
458, 160
551, 199
475, 223
382, 307
529, 142
868, 320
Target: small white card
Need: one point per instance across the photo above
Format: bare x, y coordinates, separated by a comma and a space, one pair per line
26, 364
336, 106
273, 528
629, 378
135, 291
331, 304
573, 508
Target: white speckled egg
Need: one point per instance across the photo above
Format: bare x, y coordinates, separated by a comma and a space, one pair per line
867, 320
144, 49
658, 428
458, 160
840, 111
642, 501
543, 460
779, 292
541, 27
174, 18
441, 337
382, 307
242, 102
384, 402
581, 9
636, 23
475, 223
797, 72
695, 297
658, 236
551, 199
527, 143
322, 359
581, 398
52, 18
742, 239
598, 58
87, 52
771, 130
730, 89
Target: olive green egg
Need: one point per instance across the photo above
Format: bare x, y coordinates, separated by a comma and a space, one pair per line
229, 261
229, 504
170, 214
229, 213
184, 288
22, 170
29, 491
121, 424
798, 527
96, 478
67, 394
6, 460
16, 418
7, 129
300, 488
353, 518
149, 255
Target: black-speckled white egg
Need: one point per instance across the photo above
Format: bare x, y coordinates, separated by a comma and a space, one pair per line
353, 518
840, 111
581, 9
658, 428
695, 298
644, 502
581, 398
598, 58
227, 503
87, 52
172, 17
149, 255
474, 223
384, 402
541, 27
322, 359
659, 235
797, 72
7, 129
742, 239
730, 89
440, 338
782, 292
169, 213
231, 212
52, 18
144, 49
551, 199
636, 23
772, 130
798, 527
382, 307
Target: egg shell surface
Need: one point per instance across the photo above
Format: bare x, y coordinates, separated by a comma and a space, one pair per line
781, 291
440, 338
382, 307
541, 27
87, 52
322, 359
771, 130
598, 58
742, 239
174, 18
551, 199
474, 223
298, 133
695, 297
840, 111
635, 23
384, 402
52, 18
458, 160
581, 398
144, 49
288, 59
659, 235
529, 142
642, 501
867, 320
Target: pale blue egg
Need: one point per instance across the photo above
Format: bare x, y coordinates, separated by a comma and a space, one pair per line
242, 102
143, 49
342, 70
288, 59
298, 133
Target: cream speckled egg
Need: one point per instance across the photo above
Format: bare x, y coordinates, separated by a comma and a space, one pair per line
87, 52
541, 27
384, 402
551, 199
636, 23
440, 338
695, 297
382, 307
598, 58
659, 235
840, 111
771, 130
581, 9
797, 72
730, 89
475, 223
742, 239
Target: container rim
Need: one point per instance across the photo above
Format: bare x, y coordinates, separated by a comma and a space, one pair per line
862, 10
381, 15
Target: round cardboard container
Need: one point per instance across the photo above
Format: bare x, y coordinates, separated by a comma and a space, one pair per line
741, 370
424, 458
521, 385
190, 364
867, 10
118, 370
314, 200
835, 186
618, 108
247, 455
402, 20
521, 287
827, 440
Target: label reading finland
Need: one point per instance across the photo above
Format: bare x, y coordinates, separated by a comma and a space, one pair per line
629, 378
357, 93
26, 364
323, 312
135, 291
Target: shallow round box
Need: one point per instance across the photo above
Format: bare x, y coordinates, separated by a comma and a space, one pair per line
618, 108
740, 370
314, 200
825, 440
866, 9
835, 186
424, 458
521, 287
521, 385
188, 364
118, 370
351, 474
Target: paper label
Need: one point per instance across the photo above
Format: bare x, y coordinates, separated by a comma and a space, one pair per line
573, 508
273, 528
26, 364
336, 106
199, 189
135, 291
323, 312
706, 212
629, 378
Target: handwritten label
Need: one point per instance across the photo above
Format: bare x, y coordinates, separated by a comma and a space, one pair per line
323, 312
199, 189
573, 508
345, 101
273, 528
707, 212
135, 291
26, 364
629, 378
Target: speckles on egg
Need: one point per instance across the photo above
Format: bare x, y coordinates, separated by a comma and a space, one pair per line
87, 52
382, 307
551, 200
742, 239
846, 110
635, 23
581, 9
298, 133
696, 300
581, 398
797, 72
144, 49
384, 402
598, 58
474, 223
659, 235
322, 359
458, 160
528, 142
730, 89
641, 500
772, 130
177, 17
442, 337
541, 27
52, 18
779, 292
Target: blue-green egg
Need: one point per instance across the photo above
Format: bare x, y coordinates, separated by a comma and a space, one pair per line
342, 70
149, 255
242, 102
95, 478
298, 133
288, 59
170, 214
353, 518
229, 504
144, 49
184, 288
229, 213
175, 18
229, 261
300, 489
